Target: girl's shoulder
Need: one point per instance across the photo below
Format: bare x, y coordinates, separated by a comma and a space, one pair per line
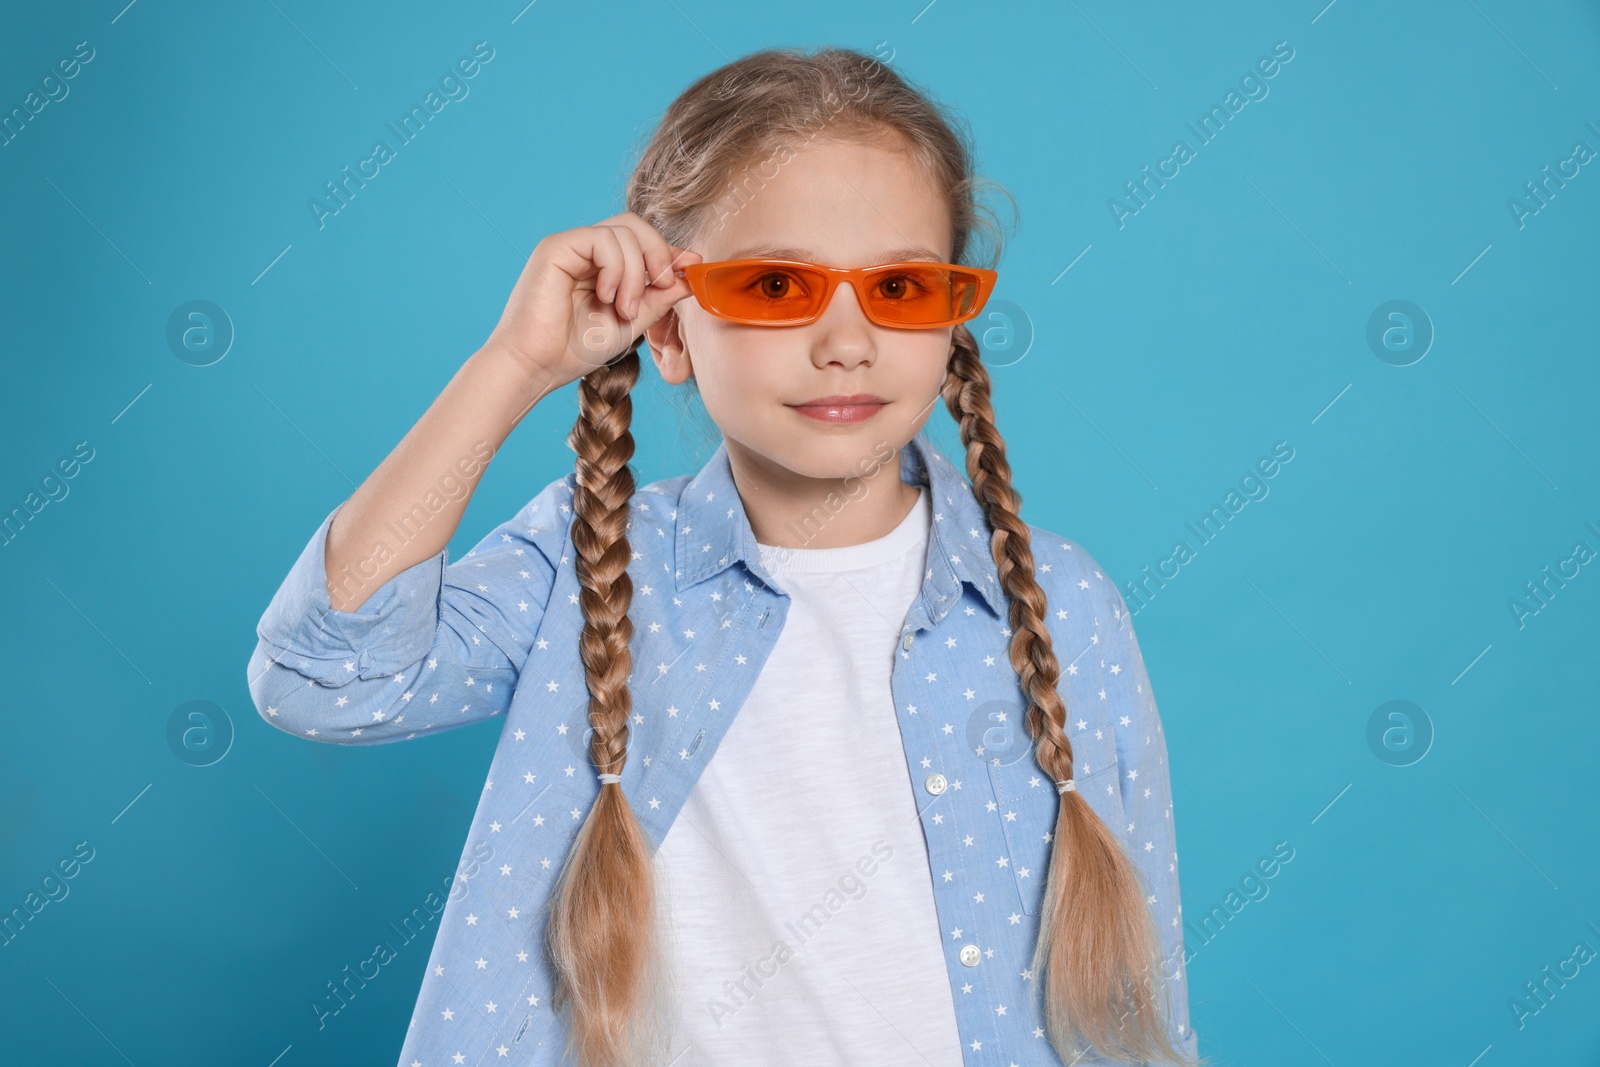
1069, 574
1057, 557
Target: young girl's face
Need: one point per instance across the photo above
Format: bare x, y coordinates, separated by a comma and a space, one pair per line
842, 205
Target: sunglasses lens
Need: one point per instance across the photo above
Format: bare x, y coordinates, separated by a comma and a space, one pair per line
911, 294
765, 293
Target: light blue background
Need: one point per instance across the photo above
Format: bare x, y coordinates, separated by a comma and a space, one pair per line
1229, 314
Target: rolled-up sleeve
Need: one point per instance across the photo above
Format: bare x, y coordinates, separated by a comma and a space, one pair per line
439, 644
1146, 787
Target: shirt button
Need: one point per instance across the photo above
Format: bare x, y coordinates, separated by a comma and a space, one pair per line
935, 783
905, 643
970, 955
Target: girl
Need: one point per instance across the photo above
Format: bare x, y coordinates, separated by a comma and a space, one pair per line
761, 795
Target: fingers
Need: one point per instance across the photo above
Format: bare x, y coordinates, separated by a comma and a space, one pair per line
660, 257
625, 261
655, 253
632, 284
590, 256
657, 302
612, 259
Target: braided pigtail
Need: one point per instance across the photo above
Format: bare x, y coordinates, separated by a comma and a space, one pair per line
602, 934
1097, 952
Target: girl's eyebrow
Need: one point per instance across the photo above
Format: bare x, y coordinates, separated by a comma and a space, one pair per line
898, 255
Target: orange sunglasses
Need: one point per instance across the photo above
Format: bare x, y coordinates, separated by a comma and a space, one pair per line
784, 292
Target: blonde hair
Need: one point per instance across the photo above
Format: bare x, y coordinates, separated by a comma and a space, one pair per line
1097, 951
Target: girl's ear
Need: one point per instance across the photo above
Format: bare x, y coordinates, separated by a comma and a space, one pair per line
668, 349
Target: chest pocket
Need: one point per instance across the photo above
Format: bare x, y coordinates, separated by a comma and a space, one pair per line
1027, 804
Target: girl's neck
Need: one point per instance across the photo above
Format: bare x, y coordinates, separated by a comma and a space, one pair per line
791, 510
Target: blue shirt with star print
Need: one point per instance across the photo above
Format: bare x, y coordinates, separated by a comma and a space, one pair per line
495, 633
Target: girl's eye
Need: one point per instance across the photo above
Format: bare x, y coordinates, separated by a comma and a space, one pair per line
778, 285
901, 287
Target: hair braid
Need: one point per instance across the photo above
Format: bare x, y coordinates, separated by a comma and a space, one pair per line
602, 932
1097, 951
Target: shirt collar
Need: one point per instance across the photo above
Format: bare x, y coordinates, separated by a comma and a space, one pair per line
713, 530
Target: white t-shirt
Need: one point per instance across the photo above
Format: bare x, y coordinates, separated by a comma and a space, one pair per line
802, 928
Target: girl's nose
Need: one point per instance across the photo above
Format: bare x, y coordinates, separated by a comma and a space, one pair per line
845, 332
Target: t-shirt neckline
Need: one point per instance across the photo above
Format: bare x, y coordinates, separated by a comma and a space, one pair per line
911, 531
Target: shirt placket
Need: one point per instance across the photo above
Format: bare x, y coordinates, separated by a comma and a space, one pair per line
935, 786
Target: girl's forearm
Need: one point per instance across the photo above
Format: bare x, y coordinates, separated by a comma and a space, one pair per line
408, 508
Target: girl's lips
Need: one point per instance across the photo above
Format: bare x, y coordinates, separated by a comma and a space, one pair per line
853, 412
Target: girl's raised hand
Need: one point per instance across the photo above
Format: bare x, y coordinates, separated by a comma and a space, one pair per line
585, 294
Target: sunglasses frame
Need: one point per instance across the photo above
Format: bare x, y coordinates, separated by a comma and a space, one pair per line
856, 277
